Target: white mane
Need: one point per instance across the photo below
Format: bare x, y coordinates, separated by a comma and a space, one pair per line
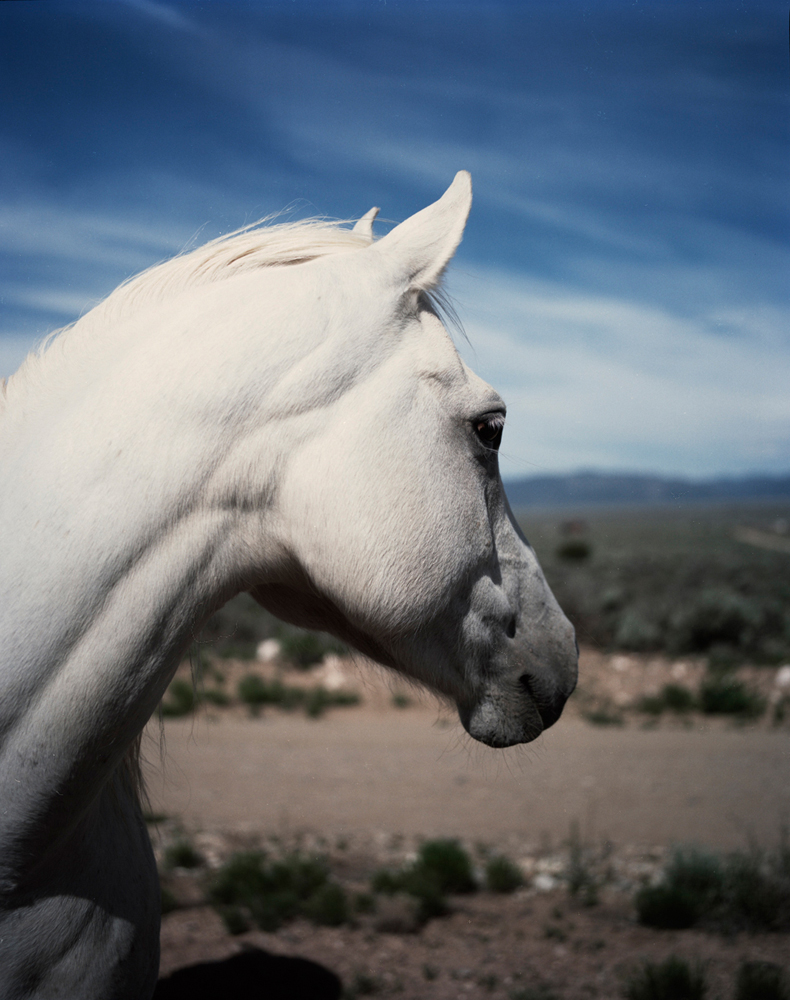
260, 245
253, 247
248, 249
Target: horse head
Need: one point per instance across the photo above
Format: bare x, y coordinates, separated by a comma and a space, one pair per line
393, 531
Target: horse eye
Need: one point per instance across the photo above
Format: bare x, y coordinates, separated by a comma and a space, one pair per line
489, 430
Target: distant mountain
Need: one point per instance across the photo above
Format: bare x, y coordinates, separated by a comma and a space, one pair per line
581, 488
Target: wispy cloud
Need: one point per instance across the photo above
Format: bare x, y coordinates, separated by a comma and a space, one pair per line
600, 382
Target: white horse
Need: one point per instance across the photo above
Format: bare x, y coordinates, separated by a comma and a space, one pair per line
283, 412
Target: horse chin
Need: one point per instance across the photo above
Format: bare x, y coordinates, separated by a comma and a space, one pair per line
487, 723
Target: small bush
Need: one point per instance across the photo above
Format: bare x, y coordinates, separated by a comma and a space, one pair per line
761, 981
691, 886
449, 863
581, 882
756, 892
216, 697
636, 631
318, 699
724, 695
715, 617
742, 891
247, 887
254, 690
304, 649
422, 885
673, 979
237, 651
666, 907
574, 550
603, 717
442, 866
502, 875
364, 902
532, 993
362, 985
181, 699
677, 698
328, 906
651, 704
182, 854
400, 700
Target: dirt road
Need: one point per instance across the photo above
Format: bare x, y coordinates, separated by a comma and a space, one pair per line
413, 771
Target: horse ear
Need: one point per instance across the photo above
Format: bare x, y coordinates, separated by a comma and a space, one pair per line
422, 246
364, 226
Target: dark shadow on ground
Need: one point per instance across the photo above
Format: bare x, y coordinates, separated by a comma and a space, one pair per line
251, 975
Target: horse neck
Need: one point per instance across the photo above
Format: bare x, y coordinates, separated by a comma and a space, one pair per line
137, 493
113, 558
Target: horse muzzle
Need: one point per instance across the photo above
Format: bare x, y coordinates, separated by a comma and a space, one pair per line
508, 711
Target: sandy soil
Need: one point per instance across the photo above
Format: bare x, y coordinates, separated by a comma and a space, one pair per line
364, 784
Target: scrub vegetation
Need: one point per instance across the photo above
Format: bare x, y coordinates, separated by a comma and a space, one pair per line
741, 891
672, 580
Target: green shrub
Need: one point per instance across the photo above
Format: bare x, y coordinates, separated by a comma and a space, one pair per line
318, 699
502, 875
741, 891
672, 979
400, 700
238, 651
364, 902
756, 892
328, 906
761, 981
582, 884
417, 882
603, 716
181, 699
182, 854
362, 985
539, 992
672, 580
692, 885
717, 616
677, 698
449, 863
574, 550
724, 695
666, 907
216, 697
442, 866
247, 887
304, 649
636, 631
698, 871
651, 704
254, 690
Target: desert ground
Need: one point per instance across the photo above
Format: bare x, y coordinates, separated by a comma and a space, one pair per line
364, 785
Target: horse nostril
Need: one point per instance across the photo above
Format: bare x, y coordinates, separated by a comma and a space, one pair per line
510, 631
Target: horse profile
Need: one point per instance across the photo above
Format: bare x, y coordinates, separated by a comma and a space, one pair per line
280, 412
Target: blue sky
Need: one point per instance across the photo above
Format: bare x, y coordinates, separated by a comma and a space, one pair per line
624, 276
